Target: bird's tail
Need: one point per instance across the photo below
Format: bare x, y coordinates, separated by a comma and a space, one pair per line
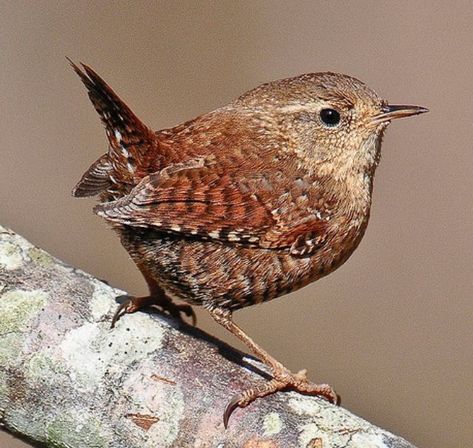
129, 138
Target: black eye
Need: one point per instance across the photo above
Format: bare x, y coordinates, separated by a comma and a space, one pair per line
330, 117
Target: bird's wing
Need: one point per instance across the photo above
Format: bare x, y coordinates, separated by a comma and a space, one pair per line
198, 199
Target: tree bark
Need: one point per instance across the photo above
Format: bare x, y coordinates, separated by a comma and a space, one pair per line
68, 380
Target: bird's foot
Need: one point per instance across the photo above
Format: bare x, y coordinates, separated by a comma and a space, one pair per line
177, 309
282, 380
133, 304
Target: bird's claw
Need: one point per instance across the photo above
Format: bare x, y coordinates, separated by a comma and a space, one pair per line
121, 310
132, 304
282, 381
231, 406
175, 310
189, 312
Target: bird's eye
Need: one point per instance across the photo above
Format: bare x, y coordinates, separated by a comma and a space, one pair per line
330, 117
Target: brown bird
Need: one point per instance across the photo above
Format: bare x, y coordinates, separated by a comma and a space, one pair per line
243, 204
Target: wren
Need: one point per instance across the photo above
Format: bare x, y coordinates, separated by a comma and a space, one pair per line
243, 204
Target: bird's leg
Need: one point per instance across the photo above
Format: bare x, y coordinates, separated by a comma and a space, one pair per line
283, 378
157, 297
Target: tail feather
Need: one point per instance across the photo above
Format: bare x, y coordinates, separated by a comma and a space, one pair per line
95, 180
129, 138
121, 124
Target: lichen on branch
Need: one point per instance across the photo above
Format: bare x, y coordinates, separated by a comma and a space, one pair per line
68, 380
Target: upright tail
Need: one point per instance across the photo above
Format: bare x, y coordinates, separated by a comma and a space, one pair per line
128, 136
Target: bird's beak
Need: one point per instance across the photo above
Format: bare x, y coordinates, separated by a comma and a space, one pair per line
392, 111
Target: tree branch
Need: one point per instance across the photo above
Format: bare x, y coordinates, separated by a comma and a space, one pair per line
68, 380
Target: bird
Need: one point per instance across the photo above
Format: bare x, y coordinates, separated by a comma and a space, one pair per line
242, 204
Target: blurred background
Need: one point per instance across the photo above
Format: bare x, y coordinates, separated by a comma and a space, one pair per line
392, 329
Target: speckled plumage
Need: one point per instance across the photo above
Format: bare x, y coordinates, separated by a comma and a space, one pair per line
245, 203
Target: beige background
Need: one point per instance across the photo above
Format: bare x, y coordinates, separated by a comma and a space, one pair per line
392, 329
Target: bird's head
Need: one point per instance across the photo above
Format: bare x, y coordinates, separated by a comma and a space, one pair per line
333, 122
